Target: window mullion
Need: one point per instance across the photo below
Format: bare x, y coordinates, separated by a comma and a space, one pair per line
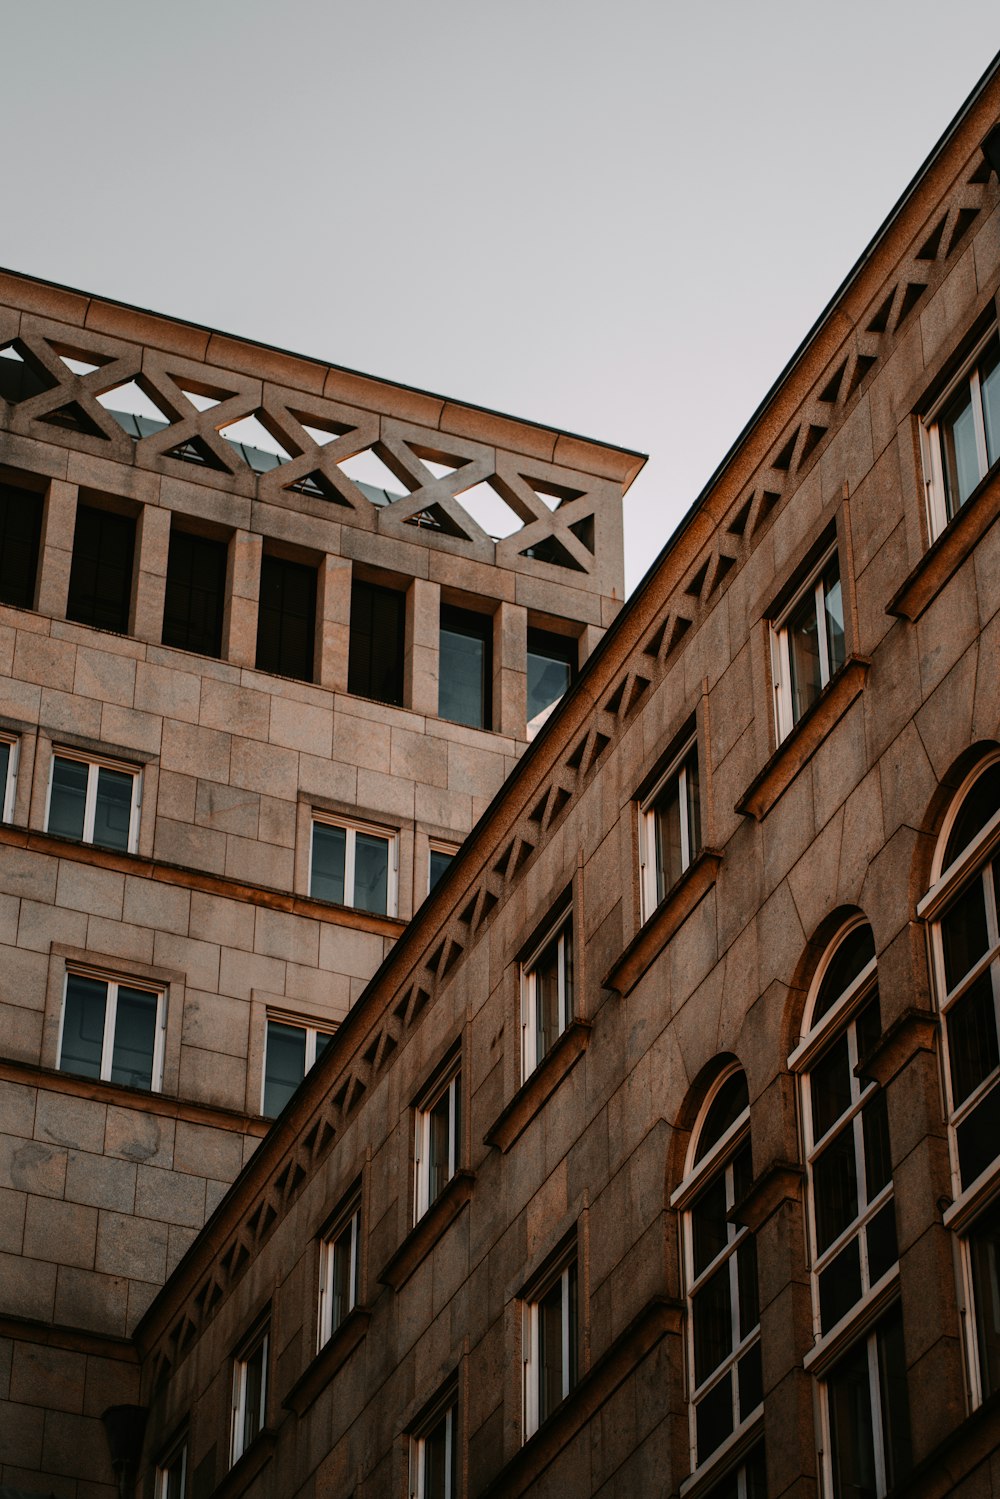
90, 803
564, 1289
875, 1413
978, 422
110, 1024
349, 842
682, 808
823, 644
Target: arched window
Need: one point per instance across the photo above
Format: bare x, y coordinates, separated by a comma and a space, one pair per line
852, 1226
720, 1272
963, 911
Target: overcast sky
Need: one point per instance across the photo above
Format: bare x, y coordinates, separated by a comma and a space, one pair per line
619, 218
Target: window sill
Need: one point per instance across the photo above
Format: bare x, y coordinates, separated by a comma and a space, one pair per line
243, 1472
424, 1235
513, 1120
782, 1182
658, 1317
915, 1030
949, 551
673, 910
328, 1361
798, 747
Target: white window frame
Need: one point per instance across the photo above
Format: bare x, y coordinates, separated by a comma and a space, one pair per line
10, 785
676, 773
347, 1225
930, 435
448, 1412
448, 1086
869, 1337
167, 1466
258, 1340
313, 1031
557, 932
781, 670
352, 829
95, 764
531, 1343
114, 982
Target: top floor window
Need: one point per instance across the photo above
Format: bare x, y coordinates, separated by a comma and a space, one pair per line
669, 827
807, 643
962, 435
465, 691
436, 1146
551, 670
100, 578
20, 534
377, 644
286, 618
195, 593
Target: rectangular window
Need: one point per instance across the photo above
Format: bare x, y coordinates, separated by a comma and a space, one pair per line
249, 1392
669, 828
551, 669
338, 1287
286, 618
962, 436
100, 578
982, 1249
96, 801
465, 692
354, 865
9, 746
290, 1052
378, 636
171, 1473
868, 1413
808, 643
434, 1456
20, 534
550, 1346
113, 1029
547, 993
439, 859
438, 1122
195, 593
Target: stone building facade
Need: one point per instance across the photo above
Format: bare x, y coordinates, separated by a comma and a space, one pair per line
263, 669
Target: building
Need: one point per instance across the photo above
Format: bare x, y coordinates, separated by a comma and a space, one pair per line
262, 670
660, 1153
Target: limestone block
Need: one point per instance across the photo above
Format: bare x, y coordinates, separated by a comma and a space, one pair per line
17, 1109
134, 1135
100, 1181
12, 1212
128, 729
170, 1197
91, 1300
65, 1120
167, 691
301, 727
83, 887
27, 1288
129, 1246
206, 1152
215, 919
257, 766
64, 1232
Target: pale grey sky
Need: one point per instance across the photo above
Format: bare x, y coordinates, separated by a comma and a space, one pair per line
617, 218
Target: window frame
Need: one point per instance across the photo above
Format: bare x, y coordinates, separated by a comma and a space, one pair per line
439, 846
447, 1084
313, 1029
781, 670
558, 930
966, 377
95, 764
444, 1409
9, 789
346, 1223
676, 774
471, 624
868, 1336
258, 1340
566, 1274
166, 1467
114, 982
352, 828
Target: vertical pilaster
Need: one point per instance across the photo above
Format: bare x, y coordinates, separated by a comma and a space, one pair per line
333, 623
423, 653
510, 670
149, 574
239, 629
56, 550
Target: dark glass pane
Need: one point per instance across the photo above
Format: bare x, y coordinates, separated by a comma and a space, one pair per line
802, 635
693, 804
746, 1275
830, 1086
377, 646
979, 1137
742, 1172
100, 580
546, 976
984, 1253
854, 953
869, 1027
286, 619
728, 1104
439, 1159
551, 662
68, 799
667, 831
959, 456
981, 802
963, 930
371, 873
342, 1276
989, 385
285, 1065
440, 860
83, 1025
437, 1459
135, 1038
895, 1410
550, 1351
173, 1478
323, 1039
972, 1038
254, 1376
714, 1417
113, 808
712, 1314
466, 668
751, 1381
709, 1229
882, 1251
195, 594
20, 530
852, 1443
329, 853
833, 605
5, 752
756, 1475
875, 1131
835, 1186
840, 1285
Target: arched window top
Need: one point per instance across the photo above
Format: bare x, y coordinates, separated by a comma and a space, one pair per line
974, 808
730, 1102
851, 956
